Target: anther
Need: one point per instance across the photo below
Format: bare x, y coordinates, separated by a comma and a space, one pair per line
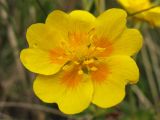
93, 68
88, 61
80, 72
65, 67
100, 49
75, 62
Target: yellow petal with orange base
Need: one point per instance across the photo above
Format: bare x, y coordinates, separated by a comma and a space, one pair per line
60, 21
77, 21
70, 90
82, 21
129, 43
44, 37
110, 24
40, 61
109, 89
74, 26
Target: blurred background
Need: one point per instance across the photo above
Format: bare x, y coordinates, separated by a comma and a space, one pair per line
17, 100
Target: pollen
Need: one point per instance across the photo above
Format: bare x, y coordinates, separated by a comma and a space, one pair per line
88, 61
75, 62
80, 72
100, 49
66, 67
94, 68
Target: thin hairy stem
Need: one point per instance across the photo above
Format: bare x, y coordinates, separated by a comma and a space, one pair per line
41, 7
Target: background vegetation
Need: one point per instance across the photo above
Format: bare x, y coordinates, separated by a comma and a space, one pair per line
17, 100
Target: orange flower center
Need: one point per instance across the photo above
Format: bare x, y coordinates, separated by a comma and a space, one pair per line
83, 52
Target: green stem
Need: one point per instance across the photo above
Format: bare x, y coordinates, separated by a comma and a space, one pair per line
87, 4
100, 6
148, 70
41, 7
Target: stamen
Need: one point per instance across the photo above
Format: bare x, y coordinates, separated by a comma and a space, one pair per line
88, 61
100, 49
77, 63
93, 68
80, 72
65, 67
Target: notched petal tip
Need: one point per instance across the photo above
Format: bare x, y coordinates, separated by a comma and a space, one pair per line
32, 59
134, 70
22, 56
62, 109
107, 96
111, 23
116, 11
82, 14
129, 43
56, 14
137, 74
70, 100
139, 39
122, 70
32, 31
42, 88
116, 102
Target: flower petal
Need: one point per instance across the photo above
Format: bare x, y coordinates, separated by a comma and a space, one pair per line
129, 43
77, 21
110, 24
153, 16
60, 21
82, 24
125, 3
39, 61
48, 88
74, 26
43, 37
135, 5
124, 67
77, 99
71, 91
82, 21
110, 90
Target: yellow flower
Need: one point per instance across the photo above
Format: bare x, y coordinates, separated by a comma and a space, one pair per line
81, 59
152, 16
